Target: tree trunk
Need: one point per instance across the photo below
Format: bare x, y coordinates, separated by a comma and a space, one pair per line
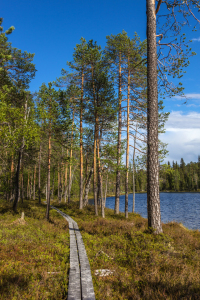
70, 166
31, 185
100, 184
48, 175
95, 169
81, 145
106, 190
119, 143
153, 198
72, 176
127, 145
52, 192
22, 184
133, 209
11, 179
39, 171
95, 147
34, 183
87, 187
66, 186
17, 189
99, 201
58, 183
98, 187
27, 190
102, 201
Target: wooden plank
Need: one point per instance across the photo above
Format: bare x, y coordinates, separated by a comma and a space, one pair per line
74, 288
87, 288
78, 276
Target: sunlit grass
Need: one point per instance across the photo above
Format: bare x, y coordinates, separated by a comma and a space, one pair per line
144, 265
34, 257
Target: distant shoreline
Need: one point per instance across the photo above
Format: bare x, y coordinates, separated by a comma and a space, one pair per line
166, 192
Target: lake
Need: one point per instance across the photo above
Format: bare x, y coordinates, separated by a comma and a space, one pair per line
180, 207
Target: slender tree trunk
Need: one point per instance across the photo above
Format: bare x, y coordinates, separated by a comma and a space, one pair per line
61, 183
7, 192
99, 171
66, 186
39, 171
86, 165
11, 179
95, 169
98, 187
22, 183
95, 146
119, 142
81, 145
49, 173
153, 198
58, 183
30, 186
52, 192
127, 145
17, 189
106, 190
34, 183
27, 190
70, 166
133, 209
102, 200
72, 176
87, 187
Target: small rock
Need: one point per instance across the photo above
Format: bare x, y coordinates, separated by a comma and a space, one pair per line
103, 272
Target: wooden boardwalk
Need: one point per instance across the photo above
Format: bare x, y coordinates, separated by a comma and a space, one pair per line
80, 279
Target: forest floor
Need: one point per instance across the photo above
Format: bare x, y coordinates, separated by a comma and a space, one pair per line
141, 265
34, 253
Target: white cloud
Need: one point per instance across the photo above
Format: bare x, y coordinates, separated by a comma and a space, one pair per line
182, 136
178, 121
196, 40
191, 105
188, 96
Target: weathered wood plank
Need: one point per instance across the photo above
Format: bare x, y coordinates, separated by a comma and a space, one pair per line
74, 286
78, 274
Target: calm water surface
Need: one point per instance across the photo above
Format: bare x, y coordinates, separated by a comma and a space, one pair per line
180, 207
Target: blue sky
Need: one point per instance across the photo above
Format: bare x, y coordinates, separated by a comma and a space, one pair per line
51, 29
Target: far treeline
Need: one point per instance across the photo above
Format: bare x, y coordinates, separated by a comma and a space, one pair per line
172, 177
68, 139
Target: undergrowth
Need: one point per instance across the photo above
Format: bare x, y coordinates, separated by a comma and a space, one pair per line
34, 255
144, 265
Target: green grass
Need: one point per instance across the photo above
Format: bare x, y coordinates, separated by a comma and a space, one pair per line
30, 252
144, 265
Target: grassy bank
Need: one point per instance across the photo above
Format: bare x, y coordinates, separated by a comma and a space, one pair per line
34, 255
144, 266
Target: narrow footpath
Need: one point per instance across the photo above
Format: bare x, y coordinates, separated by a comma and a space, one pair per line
80, 279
